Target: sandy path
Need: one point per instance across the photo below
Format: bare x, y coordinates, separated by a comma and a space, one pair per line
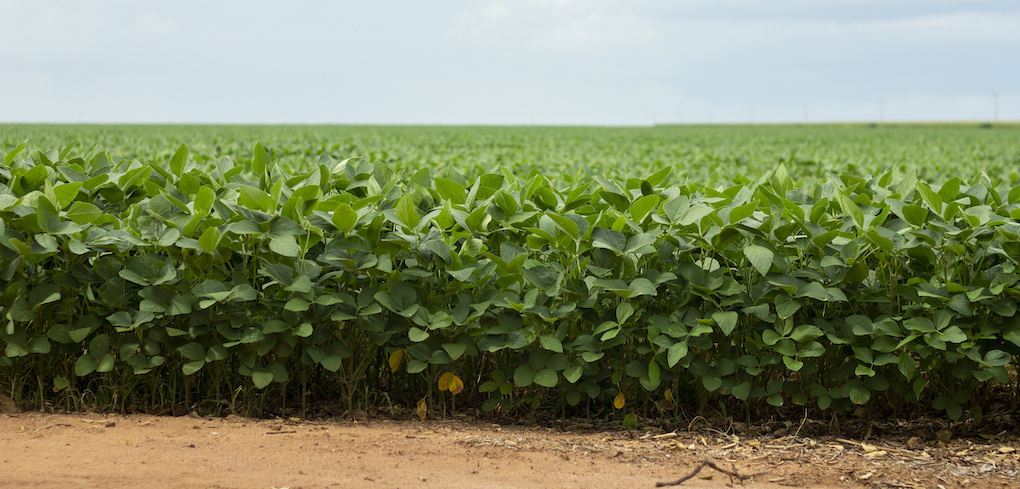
112, 451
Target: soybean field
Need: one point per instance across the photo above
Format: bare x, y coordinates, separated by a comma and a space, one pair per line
613, 273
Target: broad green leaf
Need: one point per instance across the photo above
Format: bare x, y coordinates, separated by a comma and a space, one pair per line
259, 159
727, 321
546, 378
455, 350
760, 257
83, 213
261, 377
406, 212
204, 200
742, 212
85, 365
609, 239
711, 383
643, 206
523, 376
573, 373
345, 218
676, 353
551, 343
418, 335
179, 159
860, 395
741, 391
285, 246
450, 190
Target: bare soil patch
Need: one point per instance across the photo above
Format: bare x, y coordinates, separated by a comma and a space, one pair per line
129, 451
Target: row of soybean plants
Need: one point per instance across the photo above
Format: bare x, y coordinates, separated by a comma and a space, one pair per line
352, 277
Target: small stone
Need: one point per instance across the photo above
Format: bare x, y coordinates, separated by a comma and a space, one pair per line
7, 405
944, 435
781, 432
915, 443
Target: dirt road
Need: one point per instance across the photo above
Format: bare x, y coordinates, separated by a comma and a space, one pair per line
113, 451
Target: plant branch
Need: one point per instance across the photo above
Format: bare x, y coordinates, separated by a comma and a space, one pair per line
703, 464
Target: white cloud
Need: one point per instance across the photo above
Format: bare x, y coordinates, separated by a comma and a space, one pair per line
503, 61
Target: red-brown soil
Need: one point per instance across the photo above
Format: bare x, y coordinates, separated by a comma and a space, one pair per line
117, 451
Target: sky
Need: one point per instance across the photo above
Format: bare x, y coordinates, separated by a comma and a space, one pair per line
518, 62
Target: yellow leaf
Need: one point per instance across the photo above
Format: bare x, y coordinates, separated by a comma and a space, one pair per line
669, 395
444, 381
456, 385
450, 382
422, 409
619, 401
395, 359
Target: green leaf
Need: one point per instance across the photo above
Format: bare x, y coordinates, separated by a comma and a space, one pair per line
546, 378
850, 209
676, 353
907, 365
953, 334
551, 343
455, 350
192, 351
85, 365
860, 395
781, 181
523, 375
542, 277
261, 377
641, 207
608, 239
642, 286
573, 373
83, 213
42, 346
209, 240
418, 335
259, 159
760, 257
204, 200
741, 391
9, 158
793, 364
450, 190
407, 212
345, 218
654, 375
285, 246
192, 367
727, 321
179, 159
711, 383
806, 333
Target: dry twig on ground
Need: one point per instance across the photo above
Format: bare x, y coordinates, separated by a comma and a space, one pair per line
703, 464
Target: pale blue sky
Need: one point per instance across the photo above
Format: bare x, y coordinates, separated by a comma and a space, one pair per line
508, 62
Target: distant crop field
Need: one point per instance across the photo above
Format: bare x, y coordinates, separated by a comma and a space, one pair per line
700, 154
614, 272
